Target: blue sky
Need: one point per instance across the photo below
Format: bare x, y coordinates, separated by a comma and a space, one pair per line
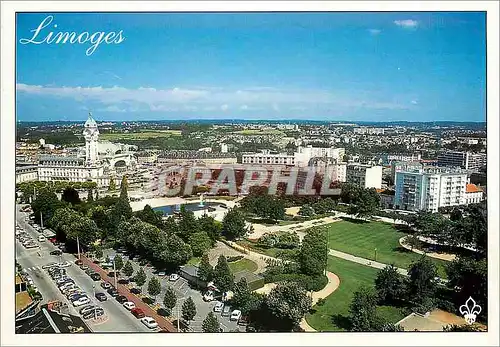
322, 66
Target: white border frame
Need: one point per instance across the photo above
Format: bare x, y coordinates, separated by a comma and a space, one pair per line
8, 10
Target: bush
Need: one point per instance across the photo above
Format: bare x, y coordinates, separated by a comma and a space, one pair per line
234, 258
316, 283
321, 302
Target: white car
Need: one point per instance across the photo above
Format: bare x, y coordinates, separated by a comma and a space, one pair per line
49, 265
149, 322
235, 315
64, 264
81, 302
209, 296
41, 238
129, 305
173, 277
218, 307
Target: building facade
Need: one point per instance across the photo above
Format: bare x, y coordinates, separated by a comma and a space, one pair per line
429, 189
267, 158
365, 176
464, 160
473, 194
26, 173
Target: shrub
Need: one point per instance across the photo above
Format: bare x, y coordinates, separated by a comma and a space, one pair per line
316, 283
321, 302
234, 258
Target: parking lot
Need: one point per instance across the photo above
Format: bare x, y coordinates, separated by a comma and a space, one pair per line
183, 291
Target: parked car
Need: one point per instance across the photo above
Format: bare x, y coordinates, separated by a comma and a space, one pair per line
235, 315
129, 305
112, 291
41, 238
149, 322
121, 299
78, 262
137, 312
243, 321
162, 273
173, 277
101, 296
124, 281
84, 267
64, 264
80, 302
135, 290
106, 285
226, 311
87, 308
95, 276
56, 252
112, 274
209, 296
218, 307
77, 296
93, 314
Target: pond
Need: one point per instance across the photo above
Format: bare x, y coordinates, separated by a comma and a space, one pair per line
194, 206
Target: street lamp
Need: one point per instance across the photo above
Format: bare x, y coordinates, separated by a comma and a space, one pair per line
375, 254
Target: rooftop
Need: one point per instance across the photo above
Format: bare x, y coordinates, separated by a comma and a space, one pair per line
472, 188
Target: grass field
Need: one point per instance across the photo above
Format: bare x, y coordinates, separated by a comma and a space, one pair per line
361, 239
143, 135
272, 252
243, 264
333, 314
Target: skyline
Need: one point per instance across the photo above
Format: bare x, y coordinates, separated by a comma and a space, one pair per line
396, 66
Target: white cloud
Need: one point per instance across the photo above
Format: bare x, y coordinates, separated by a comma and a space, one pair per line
414, 102
178, 99
112, 108
374, 31
406, 23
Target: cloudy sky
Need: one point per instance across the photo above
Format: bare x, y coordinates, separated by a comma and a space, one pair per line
328, 66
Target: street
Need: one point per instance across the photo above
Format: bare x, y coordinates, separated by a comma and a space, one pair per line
120, 319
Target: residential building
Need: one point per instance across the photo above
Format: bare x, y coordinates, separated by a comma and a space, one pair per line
428, 188
26, 173
390, 158
304, 154
473, 194
187, 157
464, 160
365, 176
266, 157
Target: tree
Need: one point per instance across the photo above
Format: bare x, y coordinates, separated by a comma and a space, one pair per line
242, 296
421, 283
71, 196
205, 270
118, 262
306, 211
366, 203
128, 270
363, 311
233, 224
45, 204
112, 184
188, 224
199, 242
313, 254
222, 276
140, 277
412, 241
154, 287
211, 324
470, 277
98, 253
288, 302
148, 215
462, 328
188, 310
90, 196
124, 188
390, 285
212, 227
170, 299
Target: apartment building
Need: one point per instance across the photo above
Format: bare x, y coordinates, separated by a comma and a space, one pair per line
429, 188
266, 157
473, 194
26, 173
464, 160
365, 176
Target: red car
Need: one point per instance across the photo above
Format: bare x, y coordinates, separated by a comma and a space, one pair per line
138, 313
52, 239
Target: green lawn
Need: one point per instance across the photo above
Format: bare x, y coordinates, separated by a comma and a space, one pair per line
243, 264
194, 261
143, 135
361, 239
272, 252
333, 314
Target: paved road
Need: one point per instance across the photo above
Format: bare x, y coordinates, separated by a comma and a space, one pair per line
120, 320
183, 291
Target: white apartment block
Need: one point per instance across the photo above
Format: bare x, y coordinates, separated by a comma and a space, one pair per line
429, 189
365, 176
305, 154
369, 131
464, 160
301, 158
268, 158
26, 173
389, 158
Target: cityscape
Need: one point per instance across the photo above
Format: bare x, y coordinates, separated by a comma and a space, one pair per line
241, 173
